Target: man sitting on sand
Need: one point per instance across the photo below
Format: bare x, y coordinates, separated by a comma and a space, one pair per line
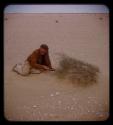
37, 62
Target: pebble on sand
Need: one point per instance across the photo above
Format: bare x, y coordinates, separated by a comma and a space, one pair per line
51, 95
97, 113
57, 93
72, 108
93, 111
68, 107
88, 111
73, 99
56, 21
34, 106
91, 97
59, 102
42, 96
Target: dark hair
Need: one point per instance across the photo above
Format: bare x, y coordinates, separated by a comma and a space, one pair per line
44, 46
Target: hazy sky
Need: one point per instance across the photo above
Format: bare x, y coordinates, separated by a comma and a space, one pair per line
56, 9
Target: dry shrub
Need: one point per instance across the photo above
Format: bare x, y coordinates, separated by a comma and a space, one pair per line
77, 71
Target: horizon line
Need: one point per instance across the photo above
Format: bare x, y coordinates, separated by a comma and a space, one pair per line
56, 9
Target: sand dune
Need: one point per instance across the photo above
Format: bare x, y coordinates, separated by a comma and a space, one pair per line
44, 97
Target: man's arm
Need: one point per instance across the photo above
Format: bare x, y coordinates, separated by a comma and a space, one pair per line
48, 62
33, 61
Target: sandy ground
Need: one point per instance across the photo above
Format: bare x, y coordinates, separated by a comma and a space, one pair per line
44, 97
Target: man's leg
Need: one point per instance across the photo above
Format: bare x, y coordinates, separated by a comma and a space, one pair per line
22, 68
35, 71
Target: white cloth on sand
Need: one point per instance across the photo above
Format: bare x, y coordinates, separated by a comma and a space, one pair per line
25, 69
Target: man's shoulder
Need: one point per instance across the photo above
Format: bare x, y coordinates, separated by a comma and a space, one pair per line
34, 54
36, 51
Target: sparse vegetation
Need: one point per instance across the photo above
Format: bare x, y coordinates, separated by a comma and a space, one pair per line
56, 21
100, 18
5, 18
77, 71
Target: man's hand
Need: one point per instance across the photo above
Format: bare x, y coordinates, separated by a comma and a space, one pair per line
52, 69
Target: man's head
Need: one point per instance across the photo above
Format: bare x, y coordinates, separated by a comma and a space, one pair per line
43, 49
